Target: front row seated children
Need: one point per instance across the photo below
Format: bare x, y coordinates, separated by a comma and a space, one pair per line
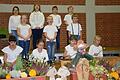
11, 52
40, 53
50, 32
24, 33
96, 49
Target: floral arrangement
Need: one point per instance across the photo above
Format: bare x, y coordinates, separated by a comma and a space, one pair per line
25, 68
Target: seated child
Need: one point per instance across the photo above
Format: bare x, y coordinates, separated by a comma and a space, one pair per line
81, 52
95, 49
39, 52
11, 52
70, 50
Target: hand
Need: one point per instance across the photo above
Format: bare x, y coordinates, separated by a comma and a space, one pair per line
37, 27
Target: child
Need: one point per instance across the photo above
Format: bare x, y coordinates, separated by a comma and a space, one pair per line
24, 32
68, 17
50, 32
39, 52
70, 50
57, 22
14, 21
11, 52
37, 20
75, 28
95, 49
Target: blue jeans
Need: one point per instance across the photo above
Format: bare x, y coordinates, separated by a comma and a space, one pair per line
14, 33
25, 45
51, 50
37, 34
58, 40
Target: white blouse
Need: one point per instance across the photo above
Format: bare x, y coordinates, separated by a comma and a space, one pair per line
14, 21
37, 19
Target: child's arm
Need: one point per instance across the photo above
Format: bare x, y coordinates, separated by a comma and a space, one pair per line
65, 55
19, 34
45, 34
29, 34
5, 58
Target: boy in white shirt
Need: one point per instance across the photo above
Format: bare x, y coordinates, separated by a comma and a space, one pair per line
75, 29
39, 52
24, 32
96, 49
50, 32
68, 19
37, 20
57, 22
11, 52
14, 21
70, 50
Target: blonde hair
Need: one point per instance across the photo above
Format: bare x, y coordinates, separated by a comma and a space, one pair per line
97, 37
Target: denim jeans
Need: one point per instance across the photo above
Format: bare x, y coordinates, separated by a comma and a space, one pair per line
37, 34
58, 40
80, 55
25, 45
51, 50
14, 33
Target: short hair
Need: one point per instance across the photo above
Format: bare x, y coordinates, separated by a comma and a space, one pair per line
39, 41
98, 36
73, 37
14, 9
12, 38
70, 7
54, 7
75, 15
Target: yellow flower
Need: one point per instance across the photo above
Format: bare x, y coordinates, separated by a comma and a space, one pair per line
32, 73
8, 76
115, 75
23, 74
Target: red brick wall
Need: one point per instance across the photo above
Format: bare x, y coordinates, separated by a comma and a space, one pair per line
107, 2
63, 38
50, 2
108, 26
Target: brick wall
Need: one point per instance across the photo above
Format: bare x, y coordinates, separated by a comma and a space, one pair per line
4, 17
50, 2
107, 2
108, 26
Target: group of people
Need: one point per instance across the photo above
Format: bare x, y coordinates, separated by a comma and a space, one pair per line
21, 32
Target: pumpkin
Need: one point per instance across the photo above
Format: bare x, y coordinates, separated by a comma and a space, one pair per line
8, 76
23, 74
114, 75
32, 73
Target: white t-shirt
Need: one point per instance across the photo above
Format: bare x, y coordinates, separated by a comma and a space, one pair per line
70, 51
37, 19
41, 55
96, 49
50, 30
12, 54
68, 19
14, 21
74, 28
56, 20
24, 30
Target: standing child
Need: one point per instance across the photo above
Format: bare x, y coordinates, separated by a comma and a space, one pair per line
12, 51
75, 29
68, 19
50, 32
57, 22
39, 52
96, 49
14, 21
24, 32
37, 20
